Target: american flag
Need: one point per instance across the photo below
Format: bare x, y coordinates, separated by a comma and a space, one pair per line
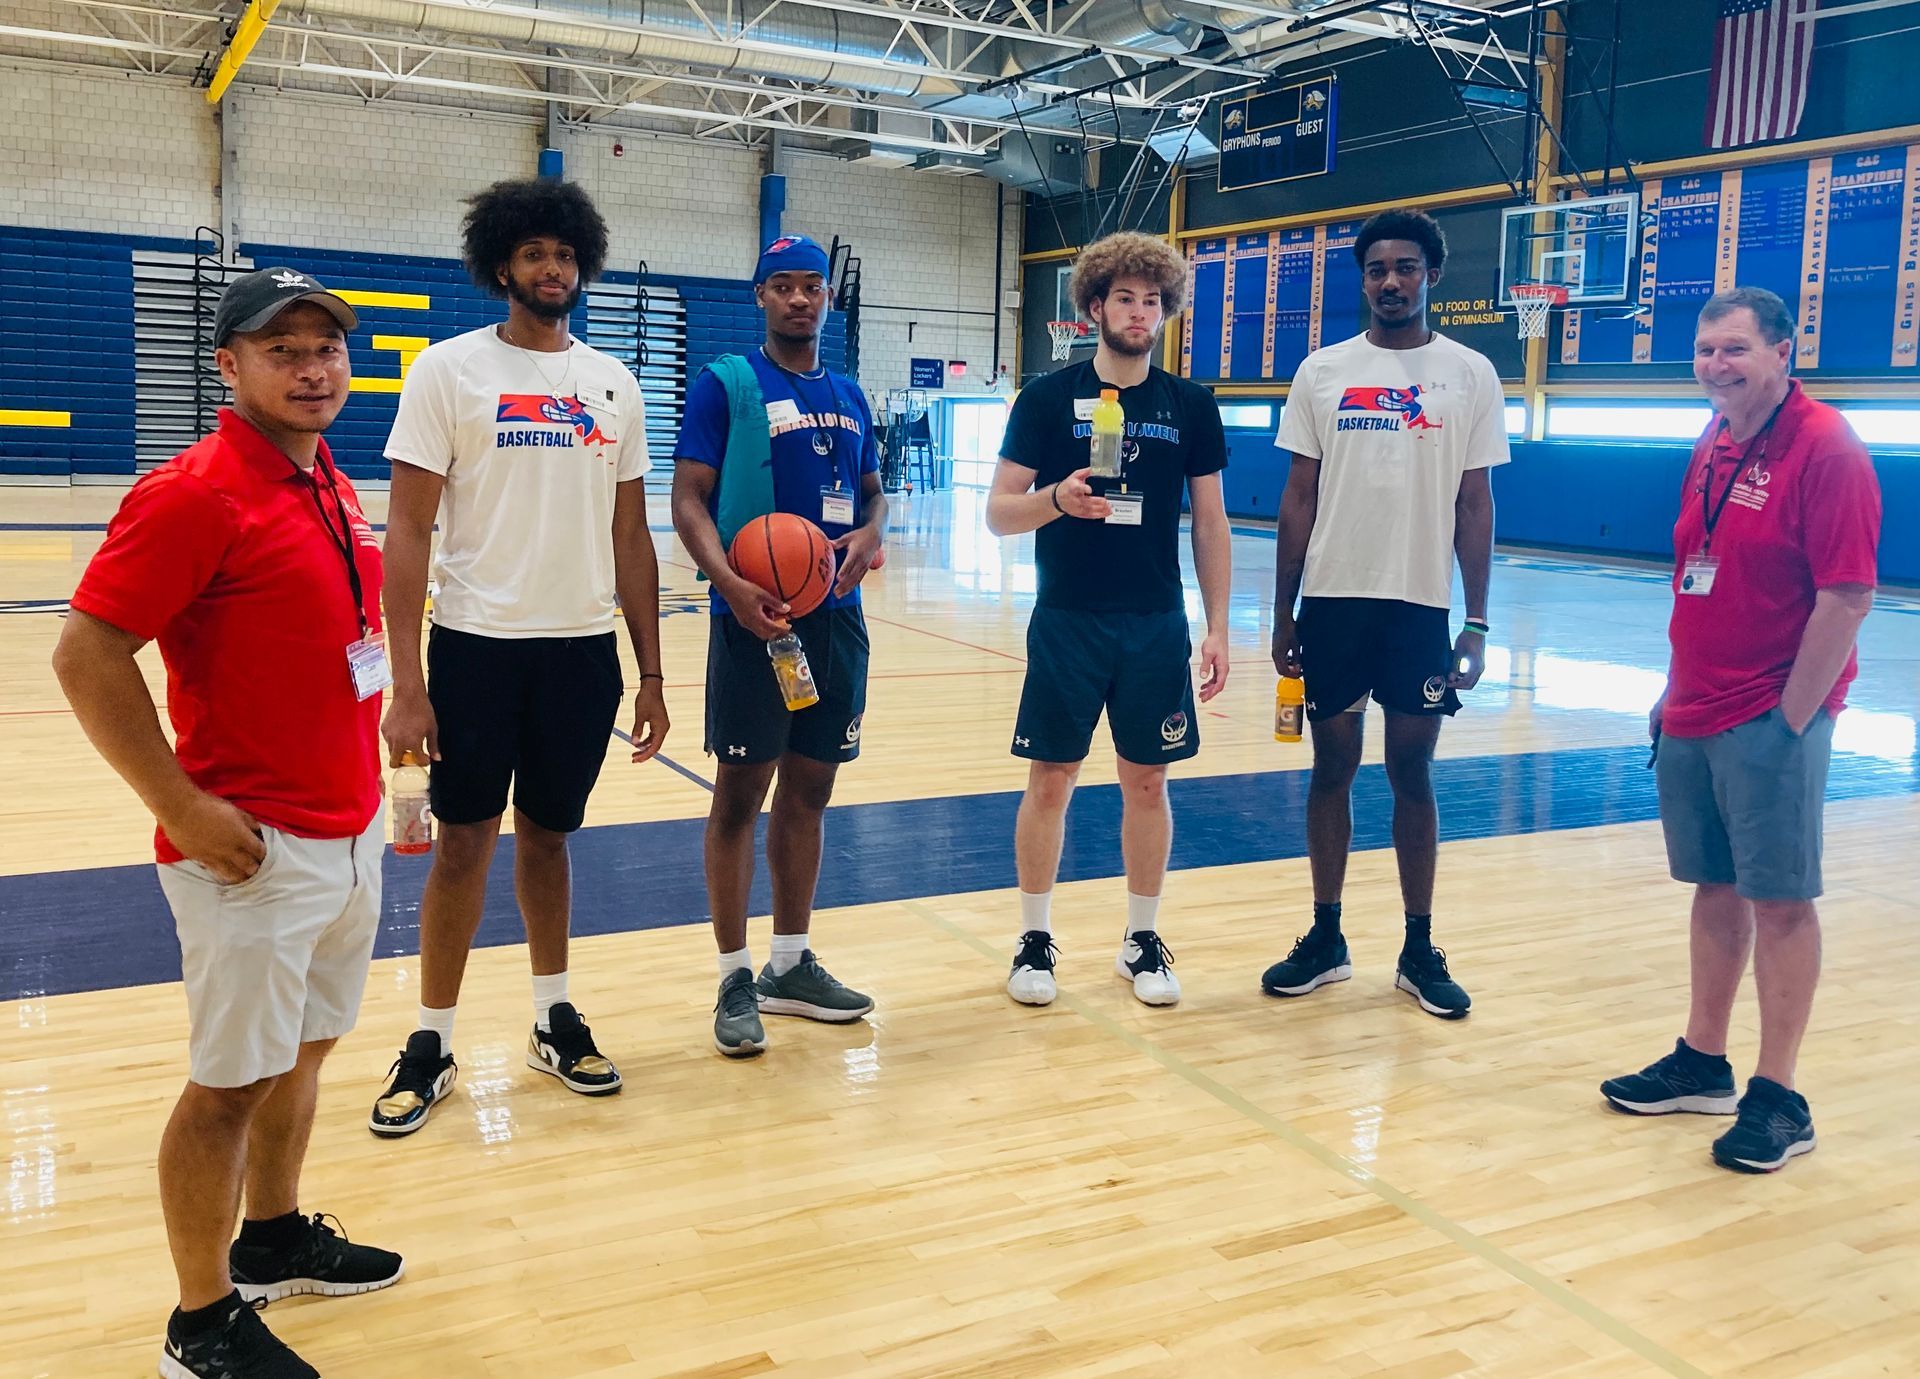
1761, 52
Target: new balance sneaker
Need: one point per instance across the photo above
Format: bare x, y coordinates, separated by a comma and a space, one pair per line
420, 1077
1148, 963
737, 1031
325, 1263
1772, 1126
240, 1348
1685, 1080
1313, 963
1031, 981
1424, 976
567, 1052
810, 991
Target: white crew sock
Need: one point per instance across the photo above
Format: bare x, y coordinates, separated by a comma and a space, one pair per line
548, 992
441, 1023
787, 949
1036, 913
734, 961
1143, 913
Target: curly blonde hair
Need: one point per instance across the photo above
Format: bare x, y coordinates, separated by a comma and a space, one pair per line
1128, 254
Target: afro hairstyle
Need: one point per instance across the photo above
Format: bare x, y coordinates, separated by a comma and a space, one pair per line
506, 215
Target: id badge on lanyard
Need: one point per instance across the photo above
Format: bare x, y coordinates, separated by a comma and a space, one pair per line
367, 664
836, 506
1697, 575
1125, 509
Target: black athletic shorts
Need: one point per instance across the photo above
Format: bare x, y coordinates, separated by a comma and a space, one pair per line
534, 711
1133, 665
1399, 653
748, 721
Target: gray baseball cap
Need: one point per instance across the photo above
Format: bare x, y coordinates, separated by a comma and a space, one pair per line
253, 299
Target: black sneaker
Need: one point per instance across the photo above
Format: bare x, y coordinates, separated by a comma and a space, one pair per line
421, 1075
1774, 1125
1685, 1080
567, 1052
1031, 980
325, 1263
1423, 974
1312, 964
240, 1348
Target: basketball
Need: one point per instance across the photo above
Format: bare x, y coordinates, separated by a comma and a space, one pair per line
785, 555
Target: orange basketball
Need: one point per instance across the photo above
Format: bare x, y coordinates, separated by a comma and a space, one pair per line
785, 555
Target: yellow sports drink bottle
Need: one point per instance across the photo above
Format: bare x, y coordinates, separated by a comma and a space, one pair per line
1289, 708
1109, 424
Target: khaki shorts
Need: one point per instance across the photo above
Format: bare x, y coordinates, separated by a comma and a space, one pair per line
280, 959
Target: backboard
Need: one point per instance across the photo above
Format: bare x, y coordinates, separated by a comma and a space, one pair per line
1584, 245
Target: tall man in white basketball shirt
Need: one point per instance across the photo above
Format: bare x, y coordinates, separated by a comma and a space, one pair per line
1394, 434
529, 447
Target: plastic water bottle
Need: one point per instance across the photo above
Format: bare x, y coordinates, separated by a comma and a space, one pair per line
1289, 708
1109, 424
412, 816
791, 670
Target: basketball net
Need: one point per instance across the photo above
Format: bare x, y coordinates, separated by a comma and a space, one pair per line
1533, 305
1065, 335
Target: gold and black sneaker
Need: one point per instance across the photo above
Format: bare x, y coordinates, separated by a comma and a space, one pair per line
567, 1052
421, 1075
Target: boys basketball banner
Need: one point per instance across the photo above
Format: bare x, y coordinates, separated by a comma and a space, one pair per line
1277, 136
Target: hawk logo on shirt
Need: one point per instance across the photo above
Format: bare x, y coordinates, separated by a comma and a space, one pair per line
547, 410
1385, 409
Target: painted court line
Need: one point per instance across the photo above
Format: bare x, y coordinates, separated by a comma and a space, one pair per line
1284, 1130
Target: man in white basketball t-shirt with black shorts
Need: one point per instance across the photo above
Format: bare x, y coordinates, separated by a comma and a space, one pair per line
529, 447
1394, 434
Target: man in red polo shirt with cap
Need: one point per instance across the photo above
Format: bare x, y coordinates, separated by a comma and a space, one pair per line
248, 559
1775, 556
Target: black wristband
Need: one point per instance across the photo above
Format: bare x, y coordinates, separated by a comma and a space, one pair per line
1054, 493
649, 675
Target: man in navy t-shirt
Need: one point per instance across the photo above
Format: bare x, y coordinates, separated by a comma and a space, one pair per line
822, 464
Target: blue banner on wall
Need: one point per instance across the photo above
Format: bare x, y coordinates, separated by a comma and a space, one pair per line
1276, 136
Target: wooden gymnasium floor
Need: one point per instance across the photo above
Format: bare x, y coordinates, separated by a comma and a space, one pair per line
1328, 1189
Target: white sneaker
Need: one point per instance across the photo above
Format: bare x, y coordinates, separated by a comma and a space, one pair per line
1148, 963
1031, 981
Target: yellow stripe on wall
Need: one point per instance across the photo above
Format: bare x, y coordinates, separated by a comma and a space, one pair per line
405, 301
375, 385
24, 417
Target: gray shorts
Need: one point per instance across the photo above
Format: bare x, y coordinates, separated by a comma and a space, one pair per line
280, 959
1743, 808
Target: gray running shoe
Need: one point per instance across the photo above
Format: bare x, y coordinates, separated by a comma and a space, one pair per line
811, 991
736, 1017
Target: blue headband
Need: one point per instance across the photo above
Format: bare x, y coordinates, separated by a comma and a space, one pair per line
790, 254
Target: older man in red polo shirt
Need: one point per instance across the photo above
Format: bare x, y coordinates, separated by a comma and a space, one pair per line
248, 559
1774, 571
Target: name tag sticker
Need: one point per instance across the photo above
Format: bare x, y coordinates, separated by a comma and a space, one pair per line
367, 663
1083, 408
783, 412
1127, 508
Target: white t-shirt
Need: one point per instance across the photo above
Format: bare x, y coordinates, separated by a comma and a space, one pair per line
532, 445
1393, 430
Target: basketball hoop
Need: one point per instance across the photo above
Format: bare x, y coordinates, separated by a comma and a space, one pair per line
1066, 334
1533, 303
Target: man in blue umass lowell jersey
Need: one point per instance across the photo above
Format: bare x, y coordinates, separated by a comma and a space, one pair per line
1394, 434
778, 431
1109, 627
529, 447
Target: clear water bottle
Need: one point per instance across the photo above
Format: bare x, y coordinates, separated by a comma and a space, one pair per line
791, 670
1109, 424
412, 815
